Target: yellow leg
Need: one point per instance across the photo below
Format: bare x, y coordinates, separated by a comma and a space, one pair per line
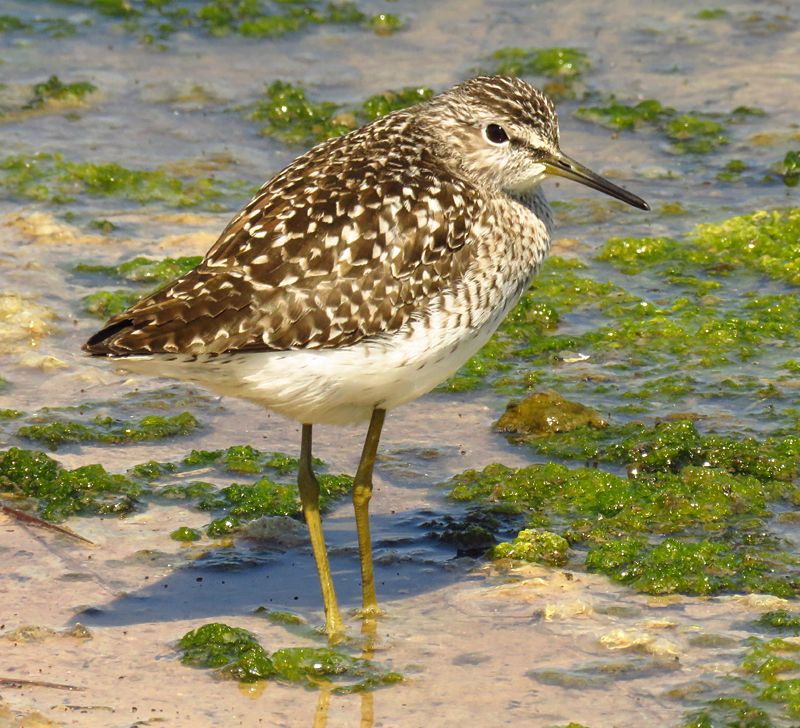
308, 485
362, 492
368, 631
323, 703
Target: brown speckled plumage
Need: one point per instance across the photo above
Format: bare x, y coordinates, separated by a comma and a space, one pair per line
398, 247
348, 242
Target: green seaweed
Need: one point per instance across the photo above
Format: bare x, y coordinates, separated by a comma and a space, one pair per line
232, 652
235, 654
388, 101
789, 169
90, 490
246, 459
265, 497
621, 347
145, 270
104, 304
385, 24
536, 545
293, 118
691, 134
11, 23
185, 534
223, 526
714, 14
54, 90
780, 621
109, 430
63, 493
764, 242
711, 495
563, 67
672, 566
50, 177
732, 171
550, 62
622, 116
158, 20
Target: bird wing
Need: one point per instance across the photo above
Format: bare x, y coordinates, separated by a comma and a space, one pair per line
328, 253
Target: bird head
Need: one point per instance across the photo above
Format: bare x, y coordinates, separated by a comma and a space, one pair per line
503, 132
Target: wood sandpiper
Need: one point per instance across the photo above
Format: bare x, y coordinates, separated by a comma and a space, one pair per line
365, 274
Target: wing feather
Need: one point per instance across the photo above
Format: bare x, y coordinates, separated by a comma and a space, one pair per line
326, 254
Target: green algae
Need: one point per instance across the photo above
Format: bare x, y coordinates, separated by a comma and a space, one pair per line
223, 526
145, 270
55, 90
780, 621
105, 304
394, 100
680, 322
732, 171
385, 24
246, 459
108, 430
295, 119
158, 20
547, 412
563, 67
694, 135
692, 517
551, 62
185, 534
623, 116
714, 14
669, 447
687, 133
675, 566
764, 242
235, 654
535, 545
50, 177
265, 497
11, 23
60, 493
789, 169
54, 27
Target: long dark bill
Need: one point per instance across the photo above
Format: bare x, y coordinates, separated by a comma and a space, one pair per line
562, 166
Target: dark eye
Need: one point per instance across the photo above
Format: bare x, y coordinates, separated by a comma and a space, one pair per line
496, 134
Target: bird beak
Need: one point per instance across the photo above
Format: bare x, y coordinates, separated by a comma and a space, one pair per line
562, 166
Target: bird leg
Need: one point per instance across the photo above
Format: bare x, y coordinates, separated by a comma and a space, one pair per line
308, 485
362, 492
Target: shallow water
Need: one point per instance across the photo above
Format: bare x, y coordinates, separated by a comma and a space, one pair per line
475, 644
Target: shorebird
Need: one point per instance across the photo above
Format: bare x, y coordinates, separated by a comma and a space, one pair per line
363, 275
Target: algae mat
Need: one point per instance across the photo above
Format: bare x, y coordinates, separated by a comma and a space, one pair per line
642, 553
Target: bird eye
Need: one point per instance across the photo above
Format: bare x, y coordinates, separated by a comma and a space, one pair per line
496, 134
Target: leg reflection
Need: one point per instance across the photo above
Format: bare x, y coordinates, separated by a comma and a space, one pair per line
369, 627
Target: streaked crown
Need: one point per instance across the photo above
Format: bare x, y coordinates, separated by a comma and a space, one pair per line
495, 130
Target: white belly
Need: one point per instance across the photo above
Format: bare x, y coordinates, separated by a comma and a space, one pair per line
334, 386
